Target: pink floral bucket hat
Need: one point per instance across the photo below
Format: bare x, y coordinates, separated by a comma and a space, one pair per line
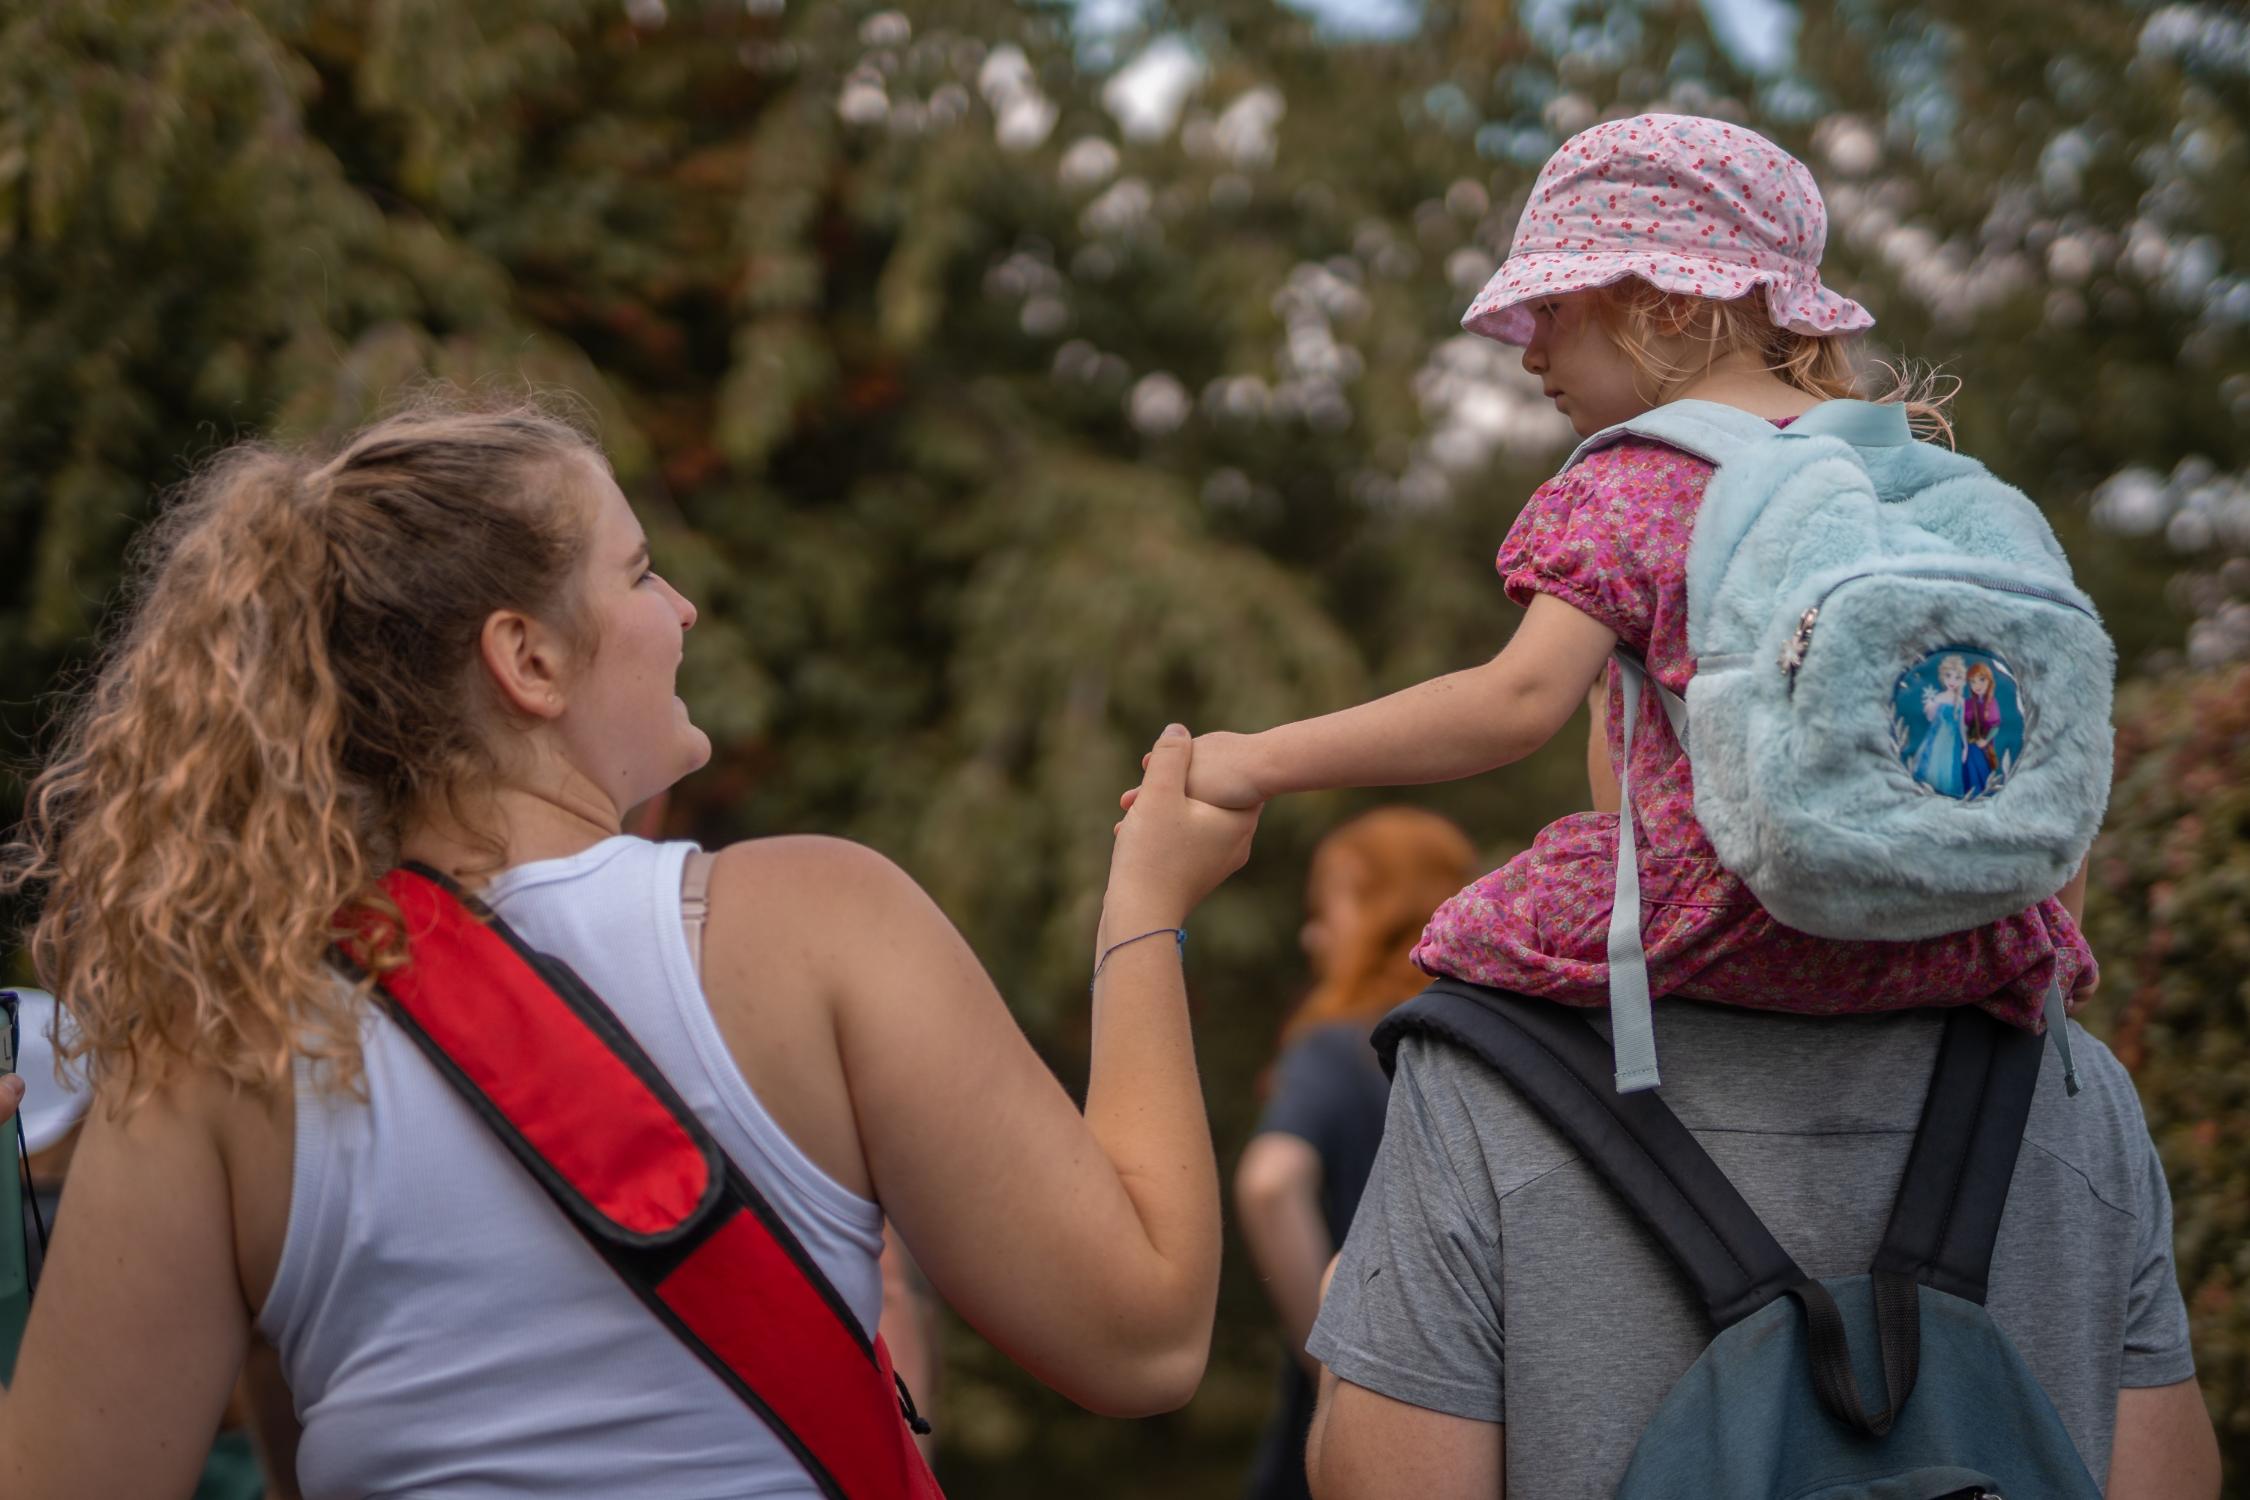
1688, 205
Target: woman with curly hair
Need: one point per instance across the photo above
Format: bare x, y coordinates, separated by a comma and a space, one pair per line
444, 643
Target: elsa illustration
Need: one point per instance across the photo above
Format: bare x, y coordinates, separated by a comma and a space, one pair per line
1980, 726
1938, 765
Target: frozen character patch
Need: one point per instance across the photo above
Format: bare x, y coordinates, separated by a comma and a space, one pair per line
1957, 720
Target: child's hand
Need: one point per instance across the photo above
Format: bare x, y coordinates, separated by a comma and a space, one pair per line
1218, 773
1171, 849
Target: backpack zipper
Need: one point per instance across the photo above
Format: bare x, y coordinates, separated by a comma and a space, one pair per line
1800, 640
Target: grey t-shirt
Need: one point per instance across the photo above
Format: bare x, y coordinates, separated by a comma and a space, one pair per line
1491, 1274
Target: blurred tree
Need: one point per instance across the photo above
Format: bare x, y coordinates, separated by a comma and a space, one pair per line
2170, 914
996, 412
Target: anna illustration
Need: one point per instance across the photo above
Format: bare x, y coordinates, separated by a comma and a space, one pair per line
1980, 725
1938, 764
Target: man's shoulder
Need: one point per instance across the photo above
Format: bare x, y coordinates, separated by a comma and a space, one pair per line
1743, 1070
2100, 1134
1762, 1073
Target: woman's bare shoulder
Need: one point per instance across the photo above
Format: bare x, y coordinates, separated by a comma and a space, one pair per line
804, 868
829, 901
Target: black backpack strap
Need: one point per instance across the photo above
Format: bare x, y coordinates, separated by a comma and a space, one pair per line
1949, 1202
1559, 1063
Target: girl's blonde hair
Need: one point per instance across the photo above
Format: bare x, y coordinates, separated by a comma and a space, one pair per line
1636, 315
293, 679
1409, 862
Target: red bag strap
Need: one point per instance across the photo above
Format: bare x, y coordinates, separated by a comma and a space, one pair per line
548, 1066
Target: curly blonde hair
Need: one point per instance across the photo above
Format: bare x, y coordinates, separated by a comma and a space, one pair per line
291, 683
1636, 314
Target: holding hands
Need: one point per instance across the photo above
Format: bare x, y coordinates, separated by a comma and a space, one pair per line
1219, 773
1176, 841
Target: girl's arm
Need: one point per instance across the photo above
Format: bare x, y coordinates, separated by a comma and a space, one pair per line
1462, 724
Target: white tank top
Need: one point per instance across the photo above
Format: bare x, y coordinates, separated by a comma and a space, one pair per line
447, 1333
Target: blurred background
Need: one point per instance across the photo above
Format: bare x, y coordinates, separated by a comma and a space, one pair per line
1005, 379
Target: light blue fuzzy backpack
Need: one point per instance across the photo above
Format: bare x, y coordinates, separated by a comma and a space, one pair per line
1901, 703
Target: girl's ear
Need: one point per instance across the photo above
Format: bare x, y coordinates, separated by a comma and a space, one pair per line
1675, 315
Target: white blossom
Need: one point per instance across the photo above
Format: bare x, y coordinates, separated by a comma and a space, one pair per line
1123, 208
1158, 404
886, 28
1089, 162
1244, 130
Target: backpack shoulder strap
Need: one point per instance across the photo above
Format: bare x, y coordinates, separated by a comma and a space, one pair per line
1560, 1064
1710, 430
1956, 1182
549, 1067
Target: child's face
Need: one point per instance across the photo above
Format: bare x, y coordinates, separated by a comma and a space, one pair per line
1579, 365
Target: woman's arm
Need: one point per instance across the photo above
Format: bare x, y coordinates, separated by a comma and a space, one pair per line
1084, 1245
1277, 1204
1462, 724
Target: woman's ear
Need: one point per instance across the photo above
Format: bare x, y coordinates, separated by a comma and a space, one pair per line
525, 661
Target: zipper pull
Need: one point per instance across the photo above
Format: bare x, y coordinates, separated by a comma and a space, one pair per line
916, 1423
1793, 654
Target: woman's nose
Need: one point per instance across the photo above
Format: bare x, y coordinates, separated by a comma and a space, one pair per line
685, 607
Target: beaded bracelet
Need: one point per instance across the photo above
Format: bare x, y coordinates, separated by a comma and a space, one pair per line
1179, 934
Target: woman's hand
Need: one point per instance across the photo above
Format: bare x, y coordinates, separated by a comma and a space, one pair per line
11, 1096
1219, 773
1173, 848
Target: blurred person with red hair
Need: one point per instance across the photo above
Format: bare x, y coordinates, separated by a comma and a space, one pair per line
1373, 884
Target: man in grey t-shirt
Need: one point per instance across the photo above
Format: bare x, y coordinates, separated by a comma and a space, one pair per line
1497, 1309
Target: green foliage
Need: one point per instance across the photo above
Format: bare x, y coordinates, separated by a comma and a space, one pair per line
2169, 912
989, 438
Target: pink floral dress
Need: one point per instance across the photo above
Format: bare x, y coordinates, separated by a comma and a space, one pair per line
1610, 538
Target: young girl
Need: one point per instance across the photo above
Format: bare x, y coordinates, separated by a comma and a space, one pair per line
1660, 258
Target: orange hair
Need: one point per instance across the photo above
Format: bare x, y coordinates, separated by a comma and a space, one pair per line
1408, 862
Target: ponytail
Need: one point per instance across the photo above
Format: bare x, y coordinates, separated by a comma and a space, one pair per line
291, 683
